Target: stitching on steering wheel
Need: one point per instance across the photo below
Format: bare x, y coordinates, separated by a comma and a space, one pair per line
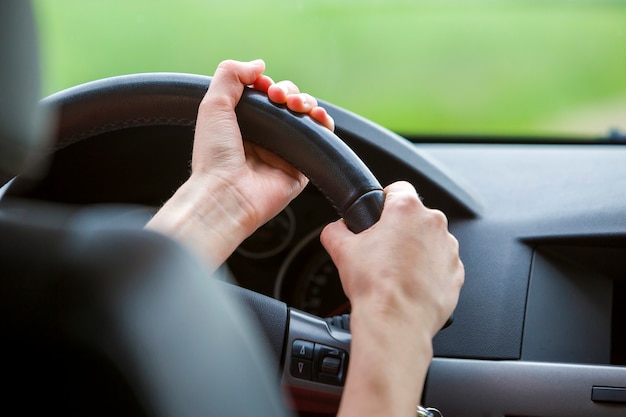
123, 124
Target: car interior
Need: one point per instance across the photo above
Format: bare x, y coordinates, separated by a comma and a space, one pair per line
102, 317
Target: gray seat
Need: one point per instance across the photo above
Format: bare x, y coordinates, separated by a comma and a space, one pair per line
101, 321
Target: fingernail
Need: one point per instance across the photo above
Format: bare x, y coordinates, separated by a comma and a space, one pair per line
284, 89
331, 124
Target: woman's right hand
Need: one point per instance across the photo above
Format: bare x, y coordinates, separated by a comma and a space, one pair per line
403, 277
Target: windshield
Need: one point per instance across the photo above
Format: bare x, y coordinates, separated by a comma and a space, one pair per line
515, 68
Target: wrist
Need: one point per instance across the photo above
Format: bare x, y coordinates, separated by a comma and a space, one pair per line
389, 360
208, 216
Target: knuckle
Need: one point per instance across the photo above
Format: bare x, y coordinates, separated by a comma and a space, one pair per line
455, 243
292, 86
404, 201
460, 280
227, 64
312, 101
437, 219
288, 86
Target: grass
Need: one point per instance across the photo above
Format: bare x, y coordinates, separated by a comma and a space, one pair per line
454, 66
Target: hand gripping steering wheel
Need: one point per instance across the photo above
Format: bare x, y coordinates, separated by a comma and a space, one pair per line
313, 356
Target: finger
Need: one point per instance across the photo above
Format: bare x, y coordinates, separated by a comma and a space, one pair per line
333, 234
279, 92
400, 189
263, 83
271, 159
228, 81
400, 204
321, 116
301, 103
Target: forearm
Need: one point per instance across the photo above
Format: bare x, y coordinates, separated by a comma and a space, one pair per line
388, 365
207, 216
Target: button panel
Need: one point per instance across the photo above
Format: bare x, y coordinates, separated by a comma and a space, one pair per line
319, 363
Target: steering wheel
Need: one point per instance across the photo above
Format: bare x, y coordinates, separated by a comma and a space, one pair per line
314, 356
172, 99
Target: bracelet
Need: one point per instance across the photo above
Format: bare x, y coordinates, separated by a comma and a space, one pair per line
428, 412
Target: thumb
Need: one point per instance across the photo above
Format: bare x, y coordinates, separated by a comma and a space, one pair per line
231, 76
217, 130
225, 91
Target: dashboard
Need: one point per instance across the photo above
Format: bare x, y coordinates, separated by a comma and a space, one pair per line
542, 316
293, 267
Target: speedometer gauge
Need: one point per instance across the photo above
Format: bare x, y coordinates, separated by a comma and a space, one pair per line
309, 281
271, 238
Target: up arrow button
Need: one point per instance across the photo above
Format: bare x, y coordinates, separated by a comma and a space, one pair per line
302, 349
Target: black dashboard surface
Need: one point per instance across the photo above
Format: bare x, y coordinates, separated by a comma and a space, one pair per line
568, 201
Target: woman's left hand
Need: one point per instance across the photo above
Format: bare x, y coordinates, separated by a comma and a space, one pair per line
235, 187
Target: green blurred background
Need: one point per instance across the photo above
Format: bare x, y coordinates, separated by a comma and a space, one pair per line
509, 67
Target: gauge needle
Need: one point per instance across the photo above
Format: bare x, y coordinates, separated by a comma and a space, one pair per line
339, 310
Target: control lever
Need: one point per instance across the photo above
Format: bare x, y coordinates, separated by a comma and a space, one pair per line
343, 321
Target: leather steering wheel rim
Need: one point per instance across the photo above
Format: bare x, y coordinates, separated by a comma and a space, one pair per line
172, 99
